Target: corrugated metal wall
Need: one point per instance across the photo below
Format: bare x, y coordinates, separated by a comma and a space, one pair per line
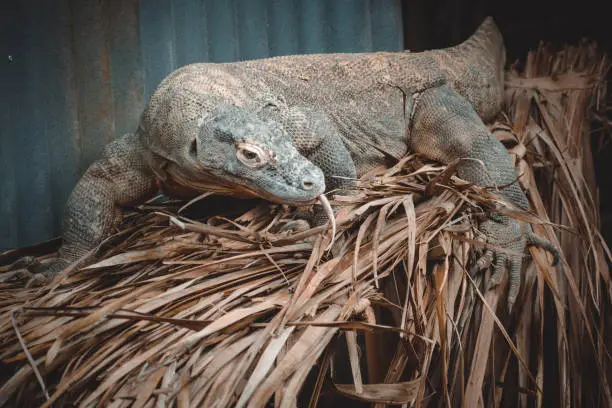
75, 74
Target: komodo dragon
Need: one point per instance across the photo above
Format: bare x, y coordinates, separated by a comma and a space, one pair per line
290, 128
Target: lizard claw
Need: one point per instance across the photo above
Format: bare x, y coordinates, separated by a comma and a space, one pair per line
36, 280
28, 263
536, 241
498, 271
482, 263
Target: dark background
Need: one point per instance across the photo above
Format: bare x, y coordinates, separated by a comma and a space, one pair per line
434, 24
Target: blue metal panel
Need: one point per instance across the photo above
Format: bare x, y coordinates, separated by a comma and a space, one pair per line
313, 35
350, 26
386, 23
82, 71
283, 27
9, 69
127, 74
29, 159
190, 32
252, 33
56, 103
222, 30
92, 76
157, 42
37, 148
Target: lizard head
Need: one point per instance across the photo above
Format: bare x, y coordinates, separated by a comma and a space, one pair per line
254, 157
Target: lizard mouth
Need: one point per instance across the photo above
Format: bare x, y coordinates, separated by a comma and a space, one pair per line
207, 181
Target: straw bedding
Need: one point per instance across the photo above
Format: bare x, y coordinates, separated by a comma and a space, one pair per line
185, 309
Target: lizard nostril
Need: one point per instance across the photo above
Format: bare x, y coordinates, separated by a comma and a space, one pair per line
193, 148
307, 185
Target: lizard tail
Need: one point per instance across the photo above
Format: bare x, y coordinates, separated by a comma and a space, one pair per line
476, 68
488, 40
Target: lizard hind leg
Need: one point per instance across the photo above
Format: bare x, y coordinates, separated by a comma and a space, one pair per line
446, 127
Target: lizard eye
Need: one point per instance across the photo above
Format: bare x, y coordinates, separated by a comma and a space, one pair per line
252, 155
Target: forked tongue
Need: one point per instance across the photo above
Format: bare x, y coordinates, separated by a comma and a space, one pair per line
330, 216
198, 198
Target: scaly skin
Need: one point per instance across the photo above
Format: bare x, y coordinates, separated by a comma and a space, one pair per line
289, 128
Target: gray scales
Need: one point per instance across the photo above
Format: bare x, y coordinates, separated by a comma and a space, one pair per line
290, 128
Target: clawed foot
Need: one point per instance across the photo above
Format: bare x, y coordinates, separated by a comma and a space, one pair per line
27, 269
37, 280
305, 220
294, 226
506, 243
32, 271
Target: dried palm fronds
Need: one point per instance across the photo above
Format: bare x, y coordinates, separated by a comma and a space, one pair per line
226, 311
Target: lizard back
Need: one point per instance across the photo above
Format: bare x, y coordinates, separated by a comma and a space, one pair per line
363, 93
474, 68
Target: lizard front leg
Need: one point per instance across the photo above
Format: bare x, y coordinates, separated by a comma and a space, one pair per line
119, 178
315, 136
445, 127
